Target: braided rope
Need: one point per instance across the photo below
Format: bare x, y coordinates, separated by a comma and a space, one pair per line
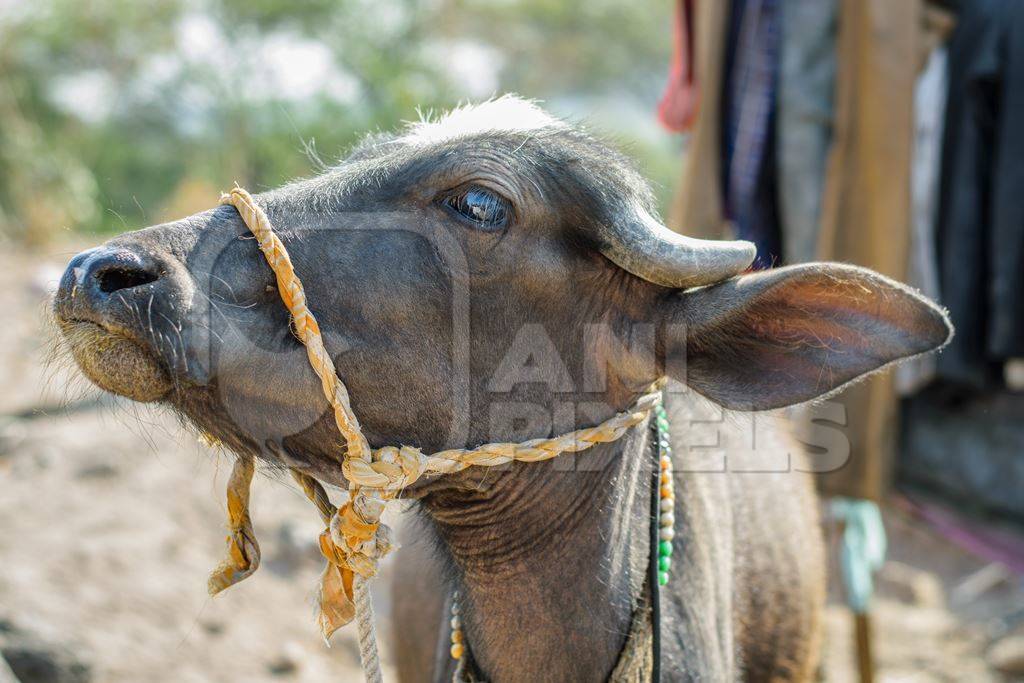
367, 632
355, 538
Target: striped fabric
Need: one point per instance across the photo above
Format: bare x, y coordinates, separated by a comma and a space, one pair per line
749, 97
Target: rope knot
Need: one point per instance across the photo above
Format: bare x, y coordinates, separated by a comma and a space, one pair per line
388, 469
351, 546
362, 542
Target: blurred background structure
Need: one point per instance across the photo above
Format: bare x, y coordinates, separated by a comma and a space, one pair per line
818, 128
883, 134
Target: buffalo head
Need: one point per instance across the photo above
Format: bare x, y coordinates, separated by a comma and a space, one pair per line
463, 269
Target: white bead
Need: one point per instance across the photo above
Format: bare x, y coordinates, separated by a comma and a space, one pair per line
667, 533
667, 519
667, 504
456, 624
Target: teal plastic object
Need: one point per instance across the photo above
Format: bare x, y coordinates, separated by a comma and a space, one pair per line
863, 548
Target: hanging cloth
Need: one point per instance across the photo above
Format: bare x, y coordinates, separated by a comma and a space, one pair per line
748, 141
980, 234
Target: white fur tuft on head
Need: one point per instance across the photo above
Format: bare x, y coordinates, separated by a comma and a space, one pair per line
505, 113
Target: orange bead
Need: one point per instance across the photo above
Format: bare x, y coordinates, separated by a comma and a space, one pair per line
666, 491
456, 636
666, 478
457, 651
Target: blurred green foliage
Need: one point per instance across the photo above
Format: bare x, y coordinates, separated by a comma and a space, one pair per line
115, 114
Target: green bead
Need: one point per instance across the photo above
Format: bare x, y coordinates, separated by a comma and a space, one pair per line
665, 548
664, 563
662, 578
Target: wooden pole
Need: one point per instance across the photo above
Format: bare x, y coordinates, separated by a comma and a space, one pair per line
865, 658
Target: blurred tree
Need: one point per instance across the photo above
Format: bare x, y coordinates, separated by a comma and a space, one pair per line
118, 113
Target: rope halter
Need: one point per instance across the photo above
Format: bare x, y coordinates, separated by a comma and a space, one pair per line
354, 539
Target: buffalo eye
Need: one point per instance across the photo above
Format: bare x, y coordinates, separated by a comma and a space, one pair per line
480, 206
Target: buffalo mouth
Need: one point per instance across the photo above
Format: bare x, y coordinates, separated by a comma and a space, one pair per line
114, 361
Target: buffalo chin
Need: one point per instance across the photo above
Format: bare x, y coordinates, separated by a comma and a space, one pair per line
114, 362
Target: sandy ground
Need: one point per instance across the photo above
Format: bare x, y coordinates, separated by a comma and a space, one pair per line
111, 517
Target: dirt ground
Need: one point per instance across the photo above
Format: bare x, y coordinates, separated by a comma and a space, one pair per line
111, 516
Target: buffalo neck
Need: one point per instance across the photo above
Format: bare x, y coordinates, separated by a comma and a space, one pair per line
549, 559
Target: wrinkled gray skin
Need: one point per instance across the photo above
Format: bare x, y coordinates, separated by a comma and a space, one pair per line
419, 307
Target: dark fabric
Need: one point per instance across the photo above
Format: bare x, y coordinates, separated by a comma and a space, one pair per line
748, 142
981, 214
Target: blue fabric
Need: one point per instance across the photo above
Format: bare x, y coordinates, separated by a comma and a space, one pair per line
748, 140
863, 548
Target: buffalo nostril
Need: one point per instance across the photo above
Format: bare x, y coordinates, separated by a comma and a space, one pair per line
121, 276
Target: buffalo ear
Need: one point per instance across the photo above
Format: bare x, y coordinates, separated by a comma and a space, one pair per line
782, 337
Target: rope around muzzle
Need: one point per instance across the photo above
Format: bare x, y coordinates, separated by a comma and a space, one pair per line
354, 539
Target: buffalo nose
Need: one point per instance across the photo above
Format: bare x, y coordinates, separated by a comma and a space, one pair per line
98, 273
119, 270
